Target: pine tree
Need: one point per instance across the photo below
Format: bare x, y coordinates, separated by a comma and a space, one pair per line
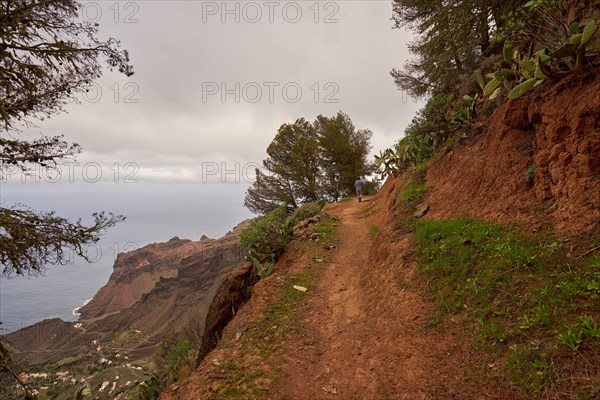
344, 152
309, 162
291, 172
47, 55
452, 36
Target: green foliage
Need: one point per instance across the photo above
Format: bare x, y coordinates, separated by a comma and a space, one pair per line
589, 327
520, 70
29, 240
573, 335
327, 229
517, 73
588, 33
310, 162
448, 41
428, 131
267, 236
410, 150
479, 78
491, 88
176, 356
528, 43
462, 113
521, 20
389, 163
174, 353
293, 170
48, 55
149, 390
305, 211
344, 152
507, 51
530, 174
416, 149
507, 287
433, 118
262, 269
373, 232
413, 193
522, 88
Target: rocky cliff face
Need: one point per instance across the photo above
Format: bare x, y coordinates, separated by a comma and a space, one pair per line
137, 273
153, 291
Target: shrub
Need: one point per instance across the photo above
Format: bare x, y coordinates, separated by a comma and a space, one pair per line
305, 211
437, 122
267, 236
174, 353
262, 269
148, 390
372, 187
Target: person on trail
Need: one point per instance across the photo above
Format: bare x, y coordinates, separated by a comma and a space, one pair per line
359, 186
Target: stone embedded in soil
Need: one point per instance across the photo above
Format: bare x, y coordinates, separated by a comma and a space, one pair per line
329, 389
421, 213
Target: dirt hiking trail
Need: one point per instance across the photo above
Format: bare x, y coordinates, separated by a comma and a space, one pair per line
363, 333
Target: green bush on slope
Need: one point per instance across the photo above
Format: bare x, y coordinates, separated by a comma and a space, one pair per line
267, 236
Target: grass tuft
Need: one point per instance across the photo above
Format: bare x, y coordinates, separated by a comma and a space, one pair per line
373, 232
524, 299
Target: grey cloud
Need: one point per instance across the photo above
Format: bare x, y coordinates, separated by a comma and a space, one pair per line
175, 126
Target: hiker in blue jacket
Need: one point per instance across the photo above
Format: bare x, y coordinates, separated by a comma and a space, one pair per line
359, 185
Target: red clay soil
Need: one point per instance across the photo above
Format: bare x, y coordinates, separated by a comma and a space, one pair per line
559, 132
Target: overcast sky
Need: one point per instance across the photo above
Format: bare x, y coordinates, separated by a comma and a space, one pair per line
214, 81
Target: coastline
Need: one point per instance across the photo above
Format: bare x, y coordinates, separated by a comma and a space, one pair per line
154, 215
76, 310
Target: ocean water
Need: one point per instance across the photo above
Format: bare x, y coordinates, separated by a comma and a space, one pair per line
155, 213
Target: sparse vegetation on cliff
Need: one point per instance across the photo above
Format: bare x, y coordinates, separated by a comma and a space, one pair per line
267, 236
496, 49
246, 364
529, 303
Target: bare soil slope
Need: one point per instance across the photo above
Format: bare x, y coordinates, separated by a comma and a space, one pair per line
558, 131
